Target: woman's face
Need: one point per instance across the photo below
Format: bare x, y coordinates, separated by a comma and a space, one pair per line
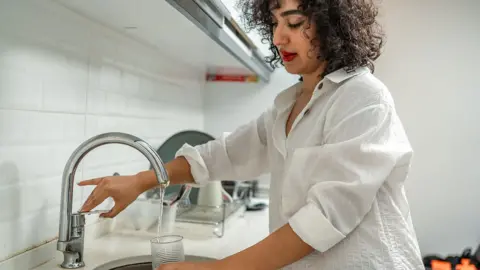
292, 35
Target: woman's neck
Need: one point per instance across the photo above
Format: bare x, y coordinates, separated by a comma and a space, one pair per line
309, 83
311, 80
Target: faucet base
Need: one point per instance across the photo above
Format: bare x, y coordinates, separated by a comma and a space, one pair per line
71, 261
73, 265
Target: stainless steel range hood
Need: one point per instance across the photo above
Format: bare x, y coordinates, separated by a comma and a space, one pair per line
200, 33
214, 20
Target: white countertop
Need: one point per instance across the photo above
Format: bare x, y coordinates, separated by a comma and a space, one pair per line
240, 233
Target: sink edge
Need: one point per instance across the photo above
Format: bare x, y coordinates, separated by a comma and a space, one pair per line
142, 259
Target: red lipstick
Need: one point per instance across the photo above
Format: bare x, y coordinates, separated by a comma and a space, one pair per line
288, 56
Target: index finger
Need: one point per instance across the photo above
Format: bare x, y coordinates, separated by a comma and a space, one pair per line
94, 181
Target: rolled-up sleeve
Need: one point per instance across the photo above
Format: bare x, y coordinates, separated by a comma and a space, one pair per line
239, 155
344, 174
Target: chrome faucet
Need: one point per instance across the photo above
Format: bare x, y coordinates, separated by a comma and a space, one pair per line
72, 225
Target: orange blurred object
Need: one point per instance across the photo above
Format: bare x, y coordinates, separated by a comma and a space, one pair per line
441, 265
465, 265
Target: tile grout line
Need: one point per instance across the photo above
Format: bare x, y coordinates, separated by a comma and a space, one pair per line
87, 114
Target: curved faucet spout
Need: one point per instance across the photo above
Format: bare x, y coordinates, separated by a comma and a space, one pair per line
71, 225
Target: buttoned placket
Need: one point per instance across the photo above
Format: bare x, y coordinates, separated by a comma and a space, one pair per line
306, 110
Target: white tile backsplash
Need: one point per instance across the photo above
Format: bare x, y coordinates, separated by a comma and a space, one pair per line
110, 79
19, 90
24, 160
19, 127
64, 97
64, 79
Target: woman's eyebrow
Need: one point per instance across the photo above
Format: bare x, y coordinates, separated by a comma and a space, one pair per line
292, 12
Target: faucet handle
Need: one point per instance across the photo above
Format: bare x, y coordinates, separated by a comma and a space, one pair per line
78, 223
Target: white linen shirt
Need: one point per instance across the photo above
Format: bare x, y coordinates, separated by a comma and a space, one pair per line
337, 178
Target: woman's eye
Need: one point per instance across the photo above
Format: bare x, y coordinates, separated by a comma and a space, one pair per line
295, 25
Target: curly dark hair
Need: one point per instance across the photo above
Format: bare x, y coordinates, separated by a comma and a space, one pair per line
349, 35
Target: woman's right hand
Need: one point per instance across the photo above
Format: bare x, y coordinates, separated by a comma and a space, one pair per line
123, 190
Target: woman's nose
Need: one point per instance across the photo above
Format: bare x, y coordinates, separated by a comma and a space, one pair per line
279, 37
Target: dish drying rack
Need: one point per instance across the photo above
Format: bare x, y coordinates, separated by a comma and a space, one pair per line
215, 216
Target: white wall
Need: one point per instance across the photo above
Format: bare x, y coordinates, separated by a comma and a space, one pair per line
64, 79
430, 63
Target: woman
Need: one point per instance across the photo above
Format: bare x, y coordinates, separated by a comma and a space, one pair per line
333, 143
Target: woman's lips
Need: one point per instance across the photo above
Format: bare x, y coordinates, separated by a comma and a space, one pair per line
288, 56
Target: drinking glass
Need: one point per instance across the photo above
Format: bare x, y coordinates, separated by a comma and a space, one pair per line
166, 249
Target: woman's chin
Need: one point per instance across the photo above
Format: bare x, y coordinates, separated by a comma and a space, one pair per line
292, 69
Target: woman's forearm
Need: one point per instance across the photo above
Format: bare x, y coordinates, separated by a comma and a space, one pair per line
282, 247
178, 171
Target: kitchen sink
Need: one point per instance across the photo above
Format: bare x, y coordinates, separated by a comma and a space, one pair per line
142, 263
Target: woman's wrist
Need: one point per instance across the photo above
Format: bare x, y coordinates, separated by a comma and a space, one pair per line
178, 171
147, 180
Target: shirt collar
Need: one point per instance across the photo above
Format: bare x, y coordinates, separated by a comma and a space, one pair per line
286, 98
341, 75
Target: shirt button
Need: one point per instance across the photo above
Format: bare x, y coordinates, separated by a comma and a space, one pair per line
320, 86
